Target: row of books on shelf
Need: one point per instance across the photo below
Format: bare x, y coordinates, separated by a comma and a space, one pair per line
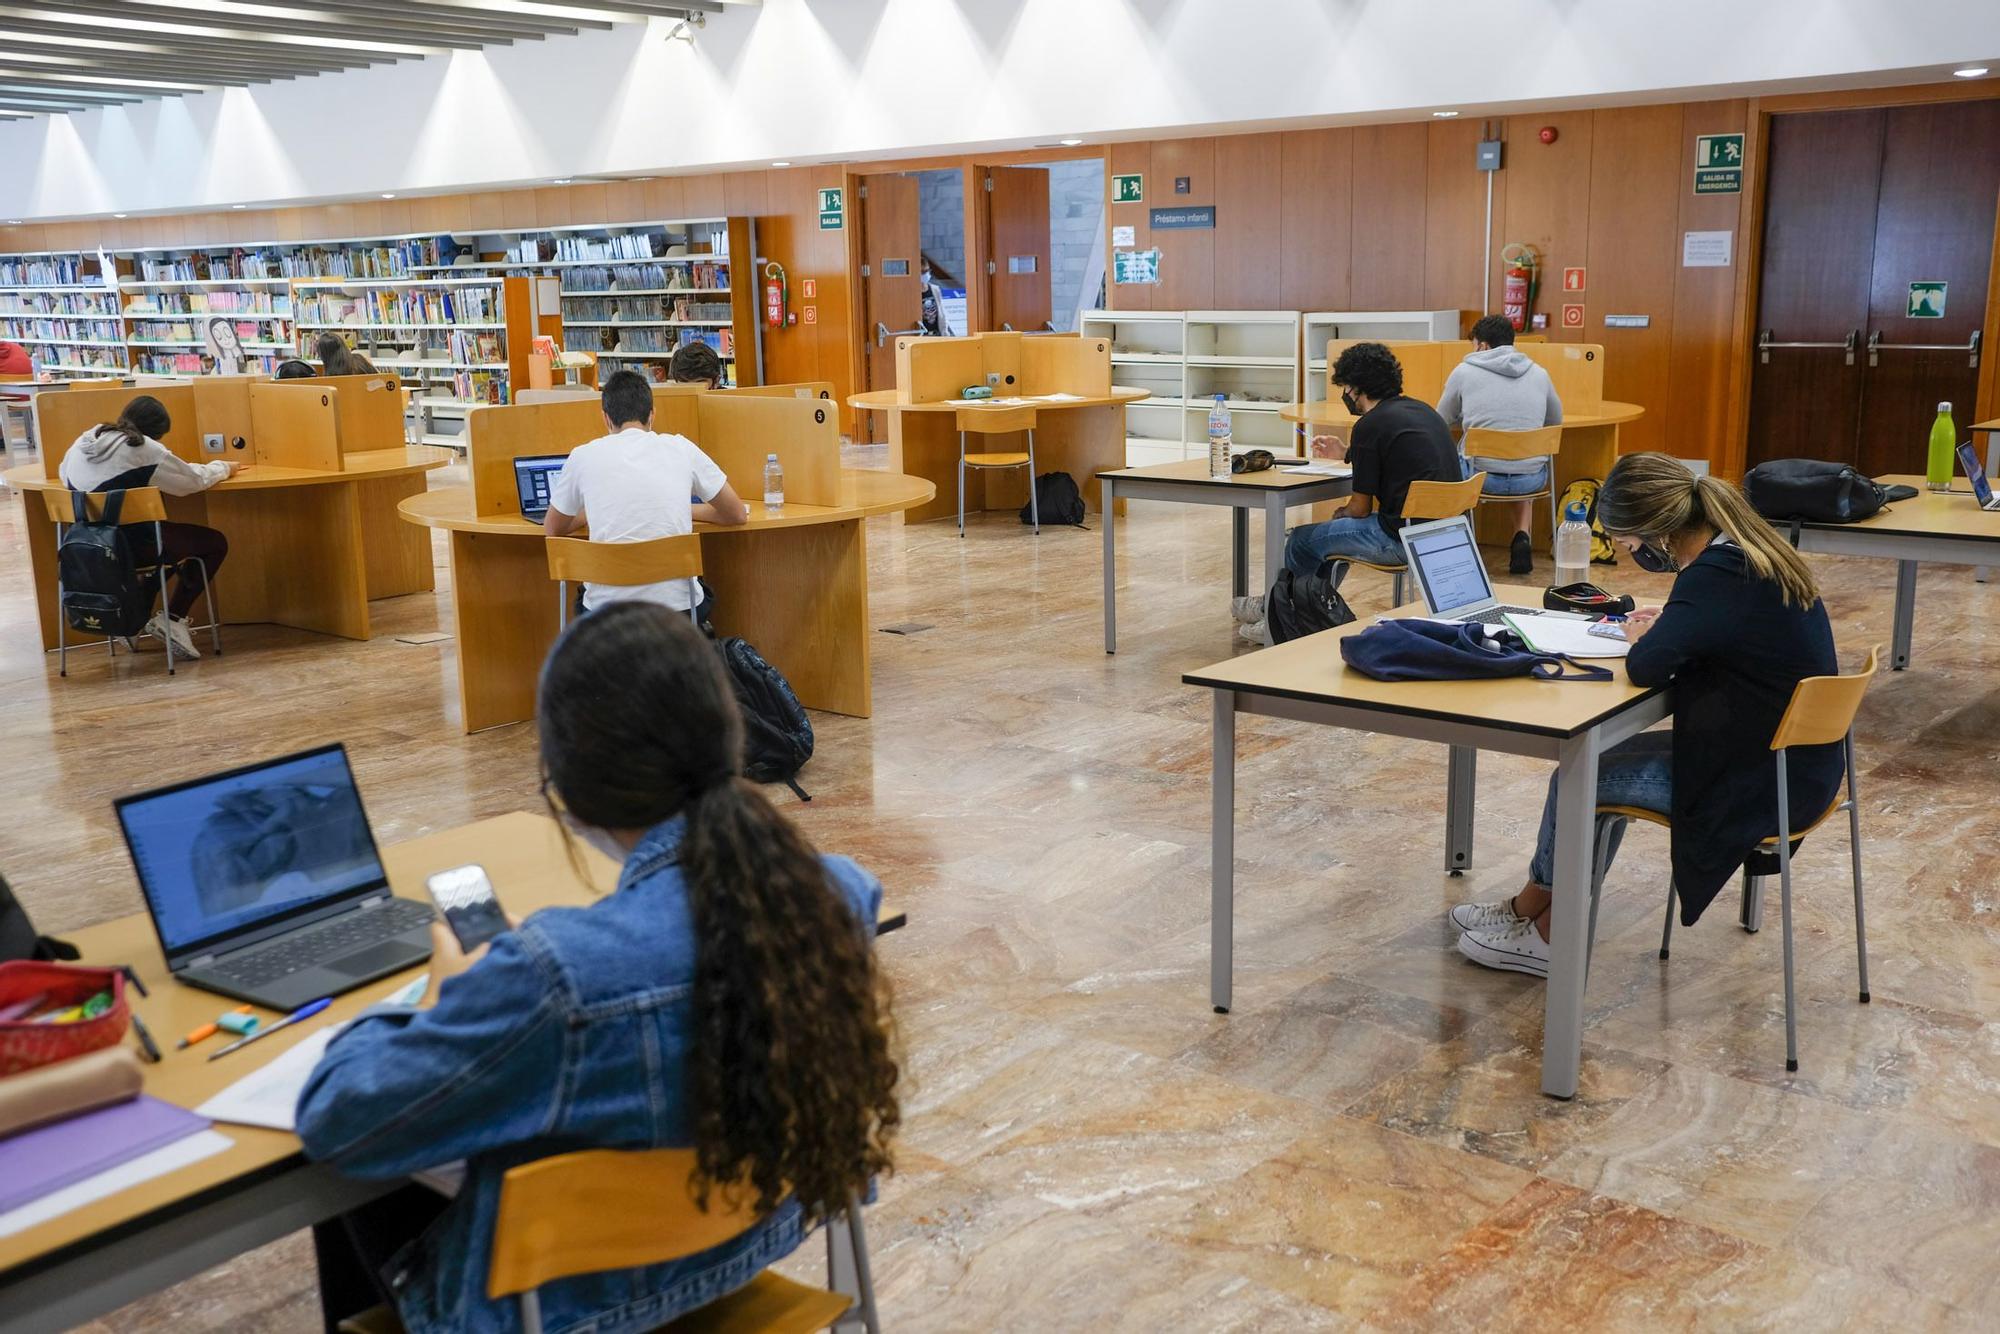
656, 371
235, 264
212, 303
641, 309
488, 387
66, 304
434, 345
198, 363
82, 358
47, 271
247, 331
39, 330
471, 304
646, 277
629, 341
383, 259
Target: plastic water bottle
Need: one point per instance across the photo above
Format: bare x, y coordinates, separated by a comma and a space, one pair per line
1944, 448
774, 483
1218, 439
1573, 546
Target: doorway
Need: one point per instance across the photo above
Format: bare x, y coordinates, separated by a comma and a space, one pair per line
1877, 254
1044, 243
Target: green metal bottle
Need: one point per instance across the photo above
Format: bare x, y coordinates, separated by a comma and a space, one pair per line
1944, 443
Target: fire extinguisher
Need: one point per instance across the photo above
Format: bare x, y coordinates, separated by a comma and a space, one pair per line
1523, 270
777, 296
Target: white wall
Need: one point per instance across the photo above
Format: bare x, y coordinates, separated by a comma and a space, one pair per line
835, 79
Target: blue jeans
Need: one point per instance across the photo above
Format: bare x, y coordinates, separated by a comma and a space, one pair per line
1511, 483
1638, 771
1344, 538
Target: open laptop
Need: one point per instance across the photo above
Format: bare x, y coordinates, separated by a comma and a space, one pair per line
1982, 490
1445, 560
533, 475
264, 883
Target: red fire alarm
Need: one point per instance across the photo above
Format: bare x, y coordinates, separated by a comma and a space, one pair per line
1547, 134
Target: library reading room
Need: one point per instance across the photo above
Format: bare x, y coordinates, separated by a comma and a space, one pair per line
944, 666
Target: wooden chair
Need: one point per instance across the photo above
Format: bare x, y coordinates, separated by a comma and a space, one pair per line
623, 564
1541, 443
1426, 501
140, 505
997, 421
1821, 712
17, 403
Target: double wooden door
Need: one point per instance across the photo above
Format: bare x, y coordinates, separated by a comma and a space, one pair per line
1878, 248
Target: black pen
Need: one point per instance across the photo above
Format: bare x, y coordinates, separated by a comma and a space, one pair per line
146, 1043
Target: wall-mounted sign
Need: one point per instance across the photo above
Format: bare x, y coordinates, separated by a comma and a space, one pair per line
1705, 250
830, 222
809, 314
1183, 185
1628, 321
1128, 189
1189, 217
832, 208
1572, 317
808, 288
1718, 164
1573, 280
1927, 301
1135, 266
1124, 236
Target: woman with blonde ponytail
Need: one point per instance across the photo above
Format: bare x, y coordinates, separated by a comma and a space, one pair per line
724, 997
1743, 625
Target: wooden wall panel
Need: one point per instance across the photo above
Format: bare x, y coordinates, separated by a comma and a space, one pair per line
1695, 414
1315, 172
1634, 251
1548, 203
1455, 217
666, 197
1391, 175
1187, 258
704, 197
1125, 159
1249, 178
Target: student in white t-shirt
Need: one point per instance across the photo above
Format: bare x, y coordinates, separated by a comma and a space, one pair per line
633, 485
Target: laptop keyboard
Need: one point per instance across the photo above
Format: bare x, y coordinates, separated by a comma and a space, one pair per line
345, 935
1492, 616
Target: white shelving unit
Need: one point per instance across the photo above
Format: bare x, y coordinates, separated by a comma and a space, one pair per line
1324, 326
1251, 357
1148, 351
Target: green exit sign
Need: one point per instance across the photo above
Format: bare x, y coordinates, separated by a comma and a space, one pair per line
1718, 164
830, 201
1128, 189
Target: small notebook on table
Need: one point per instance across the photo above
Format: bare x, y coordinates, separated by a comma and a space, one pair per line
41, 1162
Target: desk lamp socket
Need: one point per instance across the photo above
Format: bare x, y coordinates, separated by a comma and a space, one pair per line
212, 443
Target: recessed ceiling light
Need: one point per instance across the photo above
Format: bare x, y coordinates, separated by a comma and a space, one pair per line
781, 164
1069, 143
13, 222
562, 180
117, 215
388, 194
1444, 115
1970, 71
239, 206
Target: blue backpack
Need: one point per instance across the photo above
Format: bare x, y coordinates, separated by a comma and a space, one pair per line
1413, 650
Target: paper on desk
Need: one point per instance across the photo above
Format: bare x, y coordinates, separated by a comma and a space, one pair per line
270, 1096
1324, 469
191, 1149
1561, 634
1060, 398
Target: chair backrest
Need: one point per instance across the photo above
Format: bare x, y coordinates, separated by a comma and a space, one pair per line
603, 1209
1823, 707
142, 505
621, 564
996, 421
1488, 443
1442, 500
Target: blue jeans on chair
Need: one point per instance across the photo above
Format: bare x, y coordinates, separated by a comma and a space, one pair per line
1511, 483
1345, 538
1638, 772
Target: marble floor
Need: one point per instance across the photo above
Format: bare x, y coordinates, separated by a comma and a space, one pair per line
1362, 1144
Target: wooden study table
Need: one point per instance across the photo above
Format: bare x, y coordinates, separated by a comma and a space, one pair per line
1273, 491
1570, 722
793, 583
150, 1236
1944, 526
1083, 436
308, 548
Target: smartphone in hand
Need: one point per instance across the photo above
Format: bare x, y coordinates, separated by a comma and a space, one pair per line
465, 896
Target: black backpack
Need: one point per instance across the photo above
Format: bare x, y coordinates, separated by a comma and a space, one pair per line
102, 592
1297, 607
1058, 499
18, 937
777, 735
1816, 491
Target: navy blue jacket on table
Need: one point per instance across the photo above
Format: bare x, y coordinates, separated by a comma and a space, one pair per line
572, 1033
1734, 649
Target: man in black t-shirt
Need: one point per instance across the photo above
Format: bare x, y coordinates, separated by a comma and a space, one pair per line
1397, 441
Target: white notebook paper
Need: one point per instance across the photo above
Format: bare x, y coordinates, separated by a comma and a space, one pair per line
1560, 634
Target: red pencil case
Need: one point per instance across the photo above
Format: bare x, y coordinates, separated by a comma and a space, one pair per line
25, 1045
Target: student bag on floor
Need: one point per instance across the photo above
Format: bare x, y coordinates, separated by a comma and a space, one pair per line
1584, 490
1414, 650
777, 734
102, 592
1297, 607
1060, 502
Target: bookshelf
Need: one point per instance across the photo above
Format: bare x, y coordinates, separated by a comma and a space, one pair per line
61, 308
1148, 351
1185, 358
183, 304
1324, 326
457, 343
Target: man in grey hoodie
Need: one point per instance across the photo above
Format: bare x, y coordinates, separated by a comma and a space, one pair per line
1499, 387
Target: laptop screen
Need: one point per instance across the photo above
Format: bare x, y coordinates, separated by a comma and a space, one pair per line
532, 478
1968, 457
1447, 565
221, 855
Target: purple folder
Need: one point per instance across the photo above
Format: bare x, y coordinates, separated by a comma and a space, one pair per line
43, 1161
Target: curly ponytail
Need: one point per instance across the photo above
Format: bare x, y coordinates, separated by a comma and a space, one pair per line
1657, 496
791, 1081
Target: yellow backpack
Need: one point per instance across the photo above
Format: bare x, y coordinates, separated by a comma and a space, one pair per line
1584, 491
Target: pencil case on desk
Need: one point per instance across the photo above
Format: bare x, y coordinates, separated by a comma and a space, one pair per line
28, 1041
68, 1088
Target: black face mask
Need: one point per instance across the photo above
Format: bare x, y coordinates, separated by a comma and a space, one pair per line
1347, 401
1654, 560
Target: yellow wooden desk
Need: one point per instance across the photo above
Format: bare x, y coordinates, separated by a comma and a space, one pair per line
794, 583
1081, 436
307, 549
1946, 526
1589, 448
95, 1259
1570, 722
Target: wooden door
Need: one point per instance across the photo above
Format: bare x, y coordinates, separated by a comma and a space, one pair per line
891, 279
1017, 249
1940, 182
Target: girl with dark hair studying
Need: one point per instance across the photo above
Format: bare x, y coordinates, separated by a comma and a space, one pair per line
732, 957
127, 453
1741, 628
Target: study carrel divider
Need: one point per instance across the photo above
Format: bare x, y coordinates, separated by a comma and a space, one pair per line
934, 370
284, 424
369, 409
1576, 369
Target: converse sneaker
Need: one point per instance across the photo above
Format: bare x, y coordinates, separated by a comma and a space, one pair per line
174, 629
1518, 948
1485, 916
1247, 610
1257, 633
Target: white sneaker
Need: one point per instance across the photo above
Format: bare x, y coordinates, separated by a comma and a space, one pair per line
1247, 610
1485, 916
165, 627
1258, 633
1518, 948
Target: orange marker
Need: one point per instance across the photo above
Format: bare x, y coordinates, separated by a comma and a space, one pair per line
208, 1030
